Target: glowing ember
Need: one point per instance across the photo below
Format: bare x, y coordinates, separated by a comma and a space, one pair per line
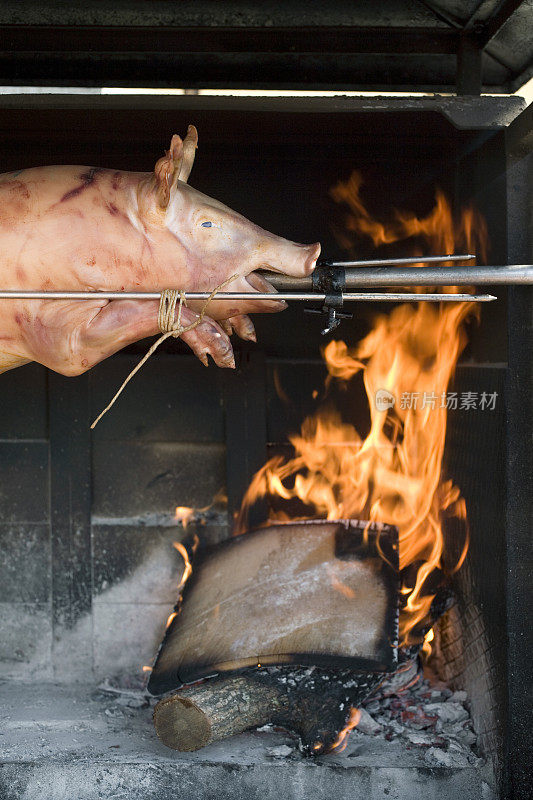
407, 360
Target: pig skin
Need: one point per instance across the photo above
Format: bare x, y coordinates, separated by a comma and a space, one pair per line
84, 228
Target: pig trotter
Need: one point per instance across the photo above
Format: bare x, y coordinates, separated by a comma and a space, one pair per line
243, 327
209, 339
226, 326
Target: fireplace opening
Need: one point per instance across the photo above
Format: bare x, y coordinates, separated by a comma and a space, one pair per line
98, 526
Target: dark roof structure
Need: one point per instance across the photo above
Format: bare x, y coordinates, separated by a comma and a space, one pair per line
466, 46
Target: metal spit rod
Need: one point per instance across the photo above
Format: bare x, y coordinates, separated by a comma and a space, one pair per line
383, 262
392, 297
359, 278
355, 277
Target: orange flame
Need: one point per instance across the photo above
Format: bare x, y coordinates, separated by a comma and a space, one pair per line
428, 638
170, 618
184, 514
187, 570
188, 566
407, 360
342, 739
437, 229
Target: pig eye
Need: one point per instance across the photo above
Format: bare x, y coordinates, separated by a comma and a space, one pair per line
207, 224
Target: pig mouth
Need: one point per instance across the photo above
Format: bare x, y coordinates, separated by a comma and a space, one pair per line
260, 283
269, 268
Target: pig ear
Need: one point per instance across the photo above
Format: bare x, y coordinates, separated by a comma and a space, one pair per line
175, 165
167, 170
189, 151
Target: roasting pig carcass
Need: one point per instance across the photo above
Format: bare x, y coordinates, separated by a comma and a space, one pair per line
77, 228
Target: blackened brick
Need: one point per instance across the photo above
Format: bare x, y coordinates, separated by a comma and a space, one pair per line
132, 478
25, 641
24, 403
25, 564
24, 482
172, 398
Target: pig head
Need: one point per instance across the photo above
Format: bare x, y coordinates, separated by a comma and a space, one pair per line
79, 228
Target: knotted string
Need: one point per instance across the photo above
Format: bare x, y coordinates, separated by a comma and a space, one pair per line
167, 307
168, 327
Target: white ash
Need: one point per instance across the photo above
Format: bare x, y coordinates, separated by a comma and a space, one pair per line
281, 751
368, 724
125, 686
448, 712
425, 716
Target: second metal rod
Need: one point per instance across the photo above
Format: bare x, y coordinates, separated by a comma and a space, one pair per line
366, 277
391, 297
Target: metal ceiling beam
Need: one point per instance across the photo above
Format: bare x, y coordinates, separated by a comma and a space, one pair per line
216, 39
524, 76
488, 30
160, 54
466, 113
469, 66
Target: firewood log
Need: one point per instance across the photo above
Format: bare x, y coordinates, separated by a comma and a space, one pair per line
311, 702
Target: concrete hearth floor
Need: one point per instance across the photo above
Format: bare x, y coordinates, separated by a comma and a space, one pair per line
75, 743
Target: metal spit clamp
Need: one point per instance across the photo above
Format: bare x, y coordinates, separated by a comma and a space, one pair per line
331, 281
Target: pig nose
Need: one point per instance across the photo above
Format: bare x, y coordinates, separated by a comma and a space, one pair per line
310, 262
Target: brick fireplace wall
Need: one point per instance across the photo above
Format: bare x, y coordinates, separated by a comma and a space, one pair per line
471, 639
163, 448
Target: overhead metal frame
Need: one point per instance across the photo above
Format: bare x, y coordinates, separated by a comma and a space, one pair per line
482, 113
43, 51
150, 39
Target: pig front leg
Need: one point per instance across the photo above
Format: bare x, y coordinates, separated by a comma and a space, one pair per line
242, 325
70, 338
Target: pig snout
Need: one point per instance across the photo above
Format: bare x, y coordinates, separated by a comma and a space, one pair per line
313, 252
297, 260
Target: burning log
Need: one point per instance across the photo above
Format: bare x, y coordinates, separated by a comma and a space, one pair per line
311, 702
303, 618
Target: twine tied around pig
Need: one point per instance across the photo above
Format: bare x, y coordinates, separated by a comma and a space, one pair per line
168, 327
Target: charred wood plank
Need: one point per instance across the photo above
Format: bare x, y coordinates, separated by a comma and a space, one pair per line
319, 593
